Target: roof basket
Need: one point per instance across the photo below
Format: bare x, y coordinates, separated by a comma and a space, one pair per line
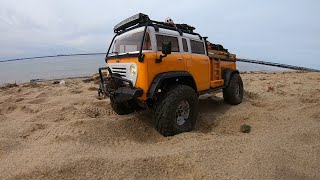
217, 47
186, 27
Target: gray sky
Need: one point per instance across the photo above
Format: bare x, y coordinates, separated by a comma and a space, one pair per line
286, 31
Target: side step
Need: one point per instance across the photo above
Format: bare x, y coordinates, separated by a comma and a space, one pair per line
216, 83
211, 90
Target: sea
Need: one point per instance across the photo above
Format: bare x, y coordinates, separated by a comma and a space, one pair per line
73, 66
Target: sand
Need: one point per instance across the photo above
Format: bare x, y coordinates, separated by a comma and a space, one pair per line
48, 131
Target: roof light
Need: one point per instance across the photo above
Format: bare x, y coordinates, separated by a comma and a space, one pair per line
131, 21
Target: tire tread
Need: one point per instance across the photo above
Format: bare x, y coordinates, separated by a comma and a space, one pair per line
229, 92
163, 123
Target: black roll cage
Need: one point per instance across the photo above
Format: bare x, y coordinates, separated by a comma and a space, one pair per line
145, 21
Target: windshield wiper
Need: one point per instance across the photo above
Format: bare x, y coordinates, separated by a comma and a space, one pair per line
117, 53
114, 53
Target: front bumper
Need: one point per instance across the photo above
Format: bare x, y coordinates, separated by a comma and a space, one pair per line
118, 88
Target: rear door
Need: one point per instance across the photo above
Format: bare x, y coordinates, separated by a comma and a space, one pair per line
185, 49
199, 65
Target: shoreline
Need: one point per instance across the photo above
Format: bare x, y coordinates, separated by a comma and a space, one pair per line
88, 76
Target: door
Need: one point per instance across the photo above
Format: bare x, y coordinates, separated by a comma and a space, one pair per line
173, 61
199, 65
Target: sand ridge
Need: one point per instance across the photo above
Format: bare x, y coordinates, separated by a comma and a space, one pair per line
49, 131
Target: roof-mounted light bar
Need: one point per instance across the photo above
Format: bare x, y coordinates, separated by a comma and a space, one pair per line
131, 21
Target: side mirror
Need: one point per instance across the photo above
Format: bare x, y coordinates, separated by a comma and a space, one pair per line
166, 48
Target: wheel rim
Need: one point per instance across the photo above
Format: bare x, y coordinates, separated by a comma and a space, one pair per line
182, 112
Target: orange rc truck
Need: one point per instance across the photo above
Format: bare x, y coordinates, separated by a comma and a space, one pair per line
166, 66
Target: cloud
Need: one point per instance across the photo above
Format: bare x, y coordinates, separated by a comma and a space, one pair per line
285, 31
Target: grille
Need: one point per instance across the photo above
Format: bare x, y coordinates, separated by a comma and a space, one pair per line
122, 71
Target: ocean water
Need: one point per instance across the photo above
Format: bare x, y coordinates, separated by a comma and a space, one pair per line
50, 68
72, 66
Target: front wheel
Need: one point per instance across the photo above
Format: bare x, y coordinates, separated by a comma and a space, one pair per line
233, 94
122, 108
176, 111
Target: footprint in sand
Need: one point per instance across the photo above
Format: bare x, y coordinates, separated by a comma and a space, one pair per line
94, 112
98, 109
8, 109
37, 126
33, 128
75, 91
19, 99
316, 116
258, 104
7, 145
27, 109
251, 95
2, 117
310, 137
62, 132
42, 95
37, 101
308, 100
313, 111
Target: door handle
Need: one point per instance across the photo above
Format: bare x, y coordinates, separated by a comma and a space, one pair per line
179, 59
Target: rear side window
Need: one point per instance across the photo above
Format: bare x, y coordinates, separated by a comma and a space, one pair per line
166, 39
197, 47
185, 45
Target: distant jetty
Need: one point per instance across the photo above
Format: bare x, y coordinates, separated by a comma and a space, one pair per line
252, 61
299, 68
51, 56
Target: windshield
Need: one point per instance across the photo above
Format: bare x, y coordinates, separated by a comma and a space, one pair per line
131, 43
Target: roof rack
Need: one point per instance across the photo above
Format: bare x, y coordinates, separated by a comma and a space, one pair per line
141, 19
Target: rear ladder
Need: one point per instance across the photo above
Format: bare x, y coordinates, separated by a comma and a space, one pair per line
216, 79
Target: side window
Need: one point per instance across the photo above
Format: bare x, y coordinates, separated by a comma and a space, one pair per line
197, 47
163, 38
185, 45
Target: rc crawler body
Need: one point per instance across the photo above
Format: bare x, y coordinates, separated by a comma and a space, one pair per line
166, 67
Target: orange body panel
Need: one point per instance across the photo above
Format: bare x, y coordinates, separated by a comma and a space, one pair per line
206, 73
143, 81
199, 67
173, 62
228, 64
216, 83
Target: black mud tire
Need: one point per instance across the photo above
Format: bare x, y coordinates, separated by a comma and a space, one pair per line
165, 110
233, 94
122, 108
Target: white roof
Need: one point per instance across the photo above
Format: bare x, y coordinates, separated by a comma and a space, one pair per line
161, 31
176, 33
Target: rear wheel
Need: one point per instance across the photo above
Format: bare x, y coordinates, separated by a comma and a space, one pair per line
176, 111
233, 94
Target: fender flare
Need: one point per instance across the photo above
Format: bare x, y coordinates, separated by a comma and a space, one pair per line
160, 78
227, 74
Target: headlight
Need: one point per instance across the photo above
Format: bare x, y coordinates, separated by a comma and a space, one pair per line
133, 70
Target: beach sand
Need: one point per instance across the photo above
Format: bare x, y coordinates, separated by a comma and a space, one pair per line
48, 131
